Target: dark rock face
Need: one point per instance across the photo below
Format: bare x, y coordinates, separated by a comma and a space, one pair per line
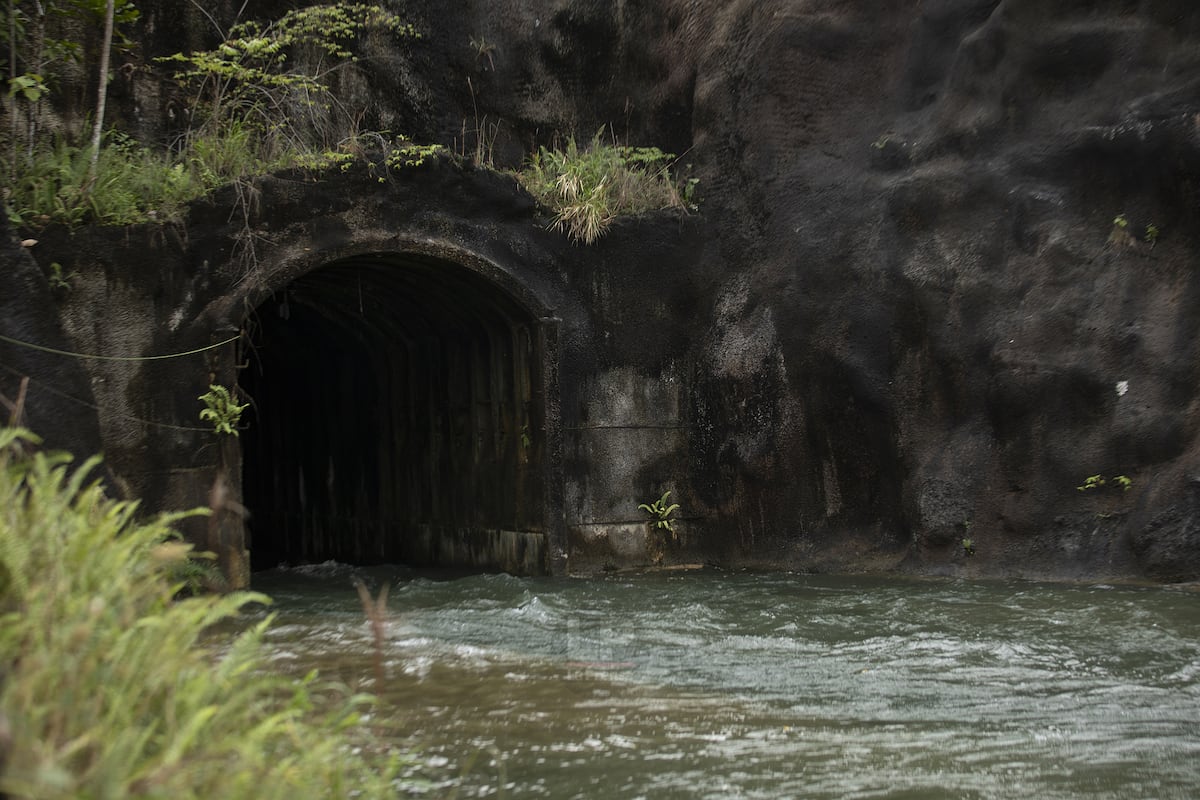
58, 401
905, 316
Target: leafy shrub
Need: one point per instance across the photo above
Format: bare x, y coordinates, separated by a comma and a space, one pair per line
255, 78
114, 688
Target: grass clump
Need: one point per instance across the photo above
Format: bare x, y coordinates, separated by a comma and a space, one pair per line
588, 188
130, 185
110, 682
133, 184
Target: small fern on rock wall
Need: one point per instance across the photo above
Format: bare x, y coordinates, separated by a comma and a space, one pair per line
221, 410
661, 513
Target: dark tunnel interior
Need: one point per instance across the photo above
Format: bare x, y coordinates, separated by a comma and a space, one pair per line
396, 417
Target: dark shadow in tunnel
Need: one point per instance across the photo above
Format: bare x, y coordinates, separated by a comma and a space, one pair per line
398, 412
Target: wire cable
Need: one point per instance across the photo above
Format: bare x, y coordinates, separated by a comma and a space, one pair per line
57, 352
46, 387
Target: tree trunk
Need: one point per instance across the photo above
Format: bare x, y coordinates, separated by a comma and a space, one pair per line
12, 100
102, 92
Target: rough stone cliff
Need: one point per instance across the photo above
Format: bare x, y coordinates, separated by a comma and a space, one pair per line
905, 315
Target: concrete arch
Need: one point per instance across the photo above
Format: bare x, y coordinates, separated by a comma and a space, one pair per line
406, 409
287, 263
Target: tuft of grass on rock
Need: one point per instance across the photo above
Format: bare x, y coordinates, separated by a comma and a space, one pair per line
588, 188
111, 686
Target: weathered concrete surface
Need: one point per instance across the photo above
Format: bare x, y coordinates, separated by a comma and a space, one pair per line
904, 318
59, 403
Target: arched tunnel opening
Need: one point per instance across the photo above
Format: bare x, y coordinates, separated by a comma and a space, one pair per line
398, 416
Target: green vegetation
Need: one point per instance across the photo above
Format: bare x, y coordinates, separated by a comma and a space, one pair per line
1120, 235
414, 155
1095, 482
587, 188
130, 185
968, 546
58, 281
39, 51
221, 410
114, 687
37, 55
259, 103
250, 79
661, 513
254, 111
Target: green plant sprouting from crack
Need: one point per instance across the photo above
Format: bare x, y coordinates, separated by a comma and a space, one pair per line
221, 410
414, 155
58, 280
1096, 482
1122, 233
968, 544
660, 512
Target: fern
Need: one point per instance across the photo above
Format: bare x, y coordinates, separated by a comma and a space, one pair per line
661, 512
221, 410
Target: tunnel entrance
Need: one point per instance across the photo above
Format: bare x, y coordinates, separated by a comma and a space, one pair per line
398, 416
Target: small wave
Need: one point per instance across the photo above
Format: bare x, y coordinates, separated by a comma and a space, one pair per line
326, 569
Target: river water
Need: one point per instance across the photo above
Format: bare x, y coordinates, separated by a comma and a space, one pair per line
719, 685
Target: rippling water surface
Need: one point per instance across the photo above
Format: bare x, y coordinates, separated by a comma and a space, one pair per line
715, 685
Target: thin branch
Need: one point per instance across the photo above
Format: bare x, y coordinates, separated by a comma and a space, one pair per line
211, 19
17, 407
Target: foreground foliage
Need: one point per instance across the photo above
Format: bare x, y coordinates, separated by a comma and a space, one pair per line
106, 678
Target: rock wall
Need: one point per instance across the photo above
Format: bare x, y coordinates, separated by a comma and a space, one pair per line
905, 316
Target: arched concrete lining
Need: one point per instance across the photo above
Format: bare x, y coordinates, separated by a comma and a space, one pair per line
418, 420
285, 264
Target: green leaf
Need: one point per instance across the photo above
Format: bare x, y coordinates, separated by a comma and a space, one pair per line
31, 86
